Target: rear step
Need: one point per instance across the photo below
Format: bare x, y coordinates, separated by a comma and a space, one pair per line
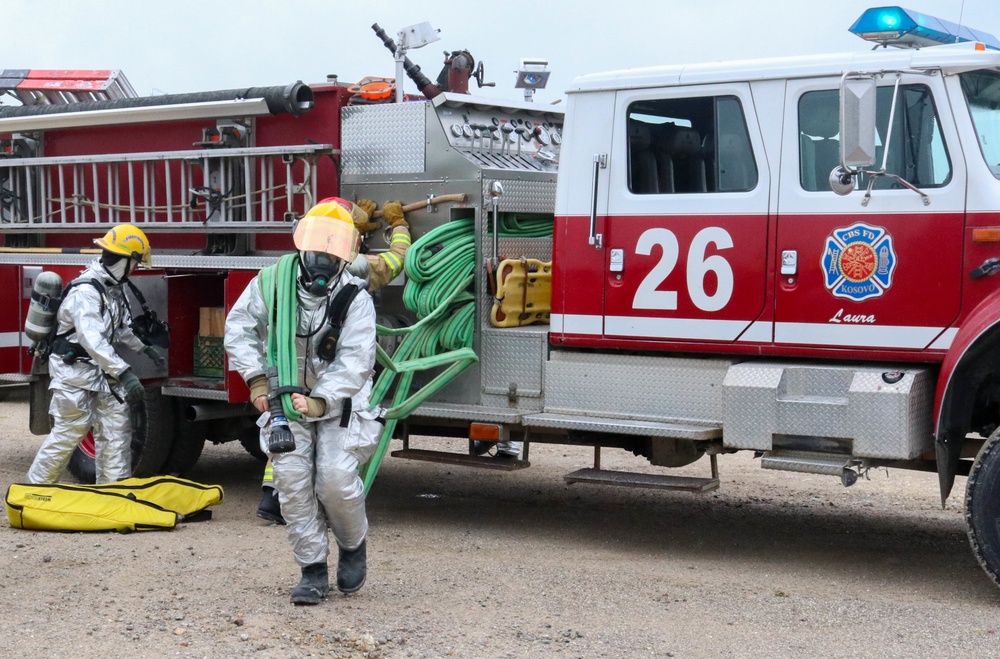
633, 479
462, 459
598, 476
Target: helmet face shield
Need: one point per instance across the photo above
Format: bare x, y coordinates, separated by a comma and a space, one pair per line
330, 235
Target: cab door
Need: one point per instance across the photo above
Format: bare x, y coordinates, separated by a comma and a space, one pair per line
881, 274
685, 237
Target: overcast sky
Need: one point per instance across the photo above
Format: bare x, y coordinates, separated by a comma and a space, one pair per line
178, 46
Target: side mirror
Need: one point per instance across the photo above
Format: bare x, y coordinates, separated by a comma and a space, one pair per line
841, 181
857, 122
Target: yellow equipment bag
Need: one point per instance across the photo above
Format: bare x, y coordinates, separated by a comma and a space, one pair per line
523, 293
134, 504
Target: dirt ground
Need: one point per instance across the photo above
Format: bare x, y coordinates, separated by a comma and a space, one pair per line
477, 563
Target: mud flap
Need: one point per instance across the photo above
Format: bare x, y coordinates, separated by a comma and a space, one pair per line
948, 450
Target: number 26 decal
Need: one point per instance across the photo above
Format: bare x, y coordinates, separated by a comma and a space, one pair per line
647, 296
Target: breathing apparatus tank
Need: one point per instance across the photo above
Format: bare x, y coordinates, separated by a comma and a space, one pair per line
41, 319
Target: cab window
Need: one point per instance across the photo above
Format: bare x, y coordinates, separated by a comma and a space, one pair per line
689, 145
916, 152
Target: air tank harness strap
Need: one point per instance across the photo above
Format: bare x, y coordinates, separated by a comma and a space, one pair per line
277, 285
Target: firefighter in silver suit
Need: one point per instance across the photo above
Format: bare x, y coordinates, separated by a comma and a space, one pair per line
377, 270
92, 385
318, 480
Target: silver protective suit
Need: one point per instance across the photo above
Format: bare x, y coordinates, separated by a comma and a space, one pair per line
318, 482
82, 397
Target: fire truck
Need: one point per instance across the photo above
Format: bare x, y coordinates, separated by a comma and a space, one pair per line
792, 256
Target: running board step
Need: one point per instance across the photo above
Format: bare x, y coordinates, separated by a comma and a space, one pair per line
633, 479
462, 459
623, 426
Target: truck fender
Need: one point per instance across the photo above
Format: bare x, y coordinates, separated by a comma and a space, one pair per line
974, 356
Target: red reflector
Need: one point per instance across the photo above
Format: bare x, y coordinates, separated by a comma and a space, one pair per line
215, 138
485, 432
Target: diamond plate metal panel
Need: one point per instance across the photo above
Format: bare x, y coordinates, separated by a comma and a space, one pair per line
524, 404
623, 426
524, 196
661, 389
187, 392
883, 420
751, 406
813, 416
514, 248
513, 358
383, 139
892, 420
482, 413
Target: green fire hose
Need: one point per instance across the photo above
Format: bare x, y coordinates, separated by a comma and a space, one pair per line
278, 281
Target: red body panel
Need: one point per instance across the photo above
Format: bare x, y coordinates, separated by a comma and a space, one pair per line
706, 268
187, 290
924, 296
12, 353
235, 283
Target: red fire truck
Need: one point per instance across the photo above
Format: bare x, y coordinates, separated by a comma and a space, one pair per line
791, 256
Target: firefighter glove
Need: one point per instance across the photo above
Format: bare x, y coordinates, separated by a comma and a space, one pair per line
315, 407
134, 392
362, 215
156, 356
258, 386
393, 213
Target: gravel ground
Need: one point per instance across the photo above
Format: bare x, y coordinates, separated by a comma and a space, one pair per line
477, 563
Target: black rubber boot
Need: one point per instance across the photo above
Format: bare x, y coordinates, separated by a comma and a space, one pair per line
352, 568
313, 586
270, 508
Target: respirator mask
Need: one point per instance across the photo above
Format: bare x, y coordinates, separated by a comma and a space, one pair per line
319, 271
117, 266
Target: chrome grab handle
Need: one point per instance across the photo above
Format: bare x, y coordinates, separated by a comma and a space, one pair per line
596, 239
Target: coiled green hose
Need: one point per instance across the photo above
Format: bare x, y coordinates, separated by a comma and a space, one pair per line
440, 270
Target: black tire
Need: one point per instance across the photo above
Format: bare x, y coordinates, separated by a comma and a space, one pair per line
148, 453
982, 507
151, 452
184, 456
83, 466
250, 440
189, 442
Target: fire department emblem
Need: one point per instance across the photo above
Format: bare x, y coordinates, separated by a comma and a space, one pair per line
858, 262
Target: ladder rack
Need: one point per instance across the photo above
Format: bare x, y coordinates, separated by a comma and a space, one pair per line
222, 189
61, 86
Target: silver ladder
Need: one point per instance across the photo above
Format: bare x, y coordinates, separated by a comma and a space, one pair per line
227, 189
59, 86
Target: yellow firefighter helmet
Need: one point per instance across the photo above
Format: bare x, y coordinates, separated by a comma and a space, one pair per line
328, 227
127, 240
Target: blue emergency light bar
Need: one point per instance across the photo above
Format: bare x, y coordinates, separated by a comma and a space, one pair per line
905, 28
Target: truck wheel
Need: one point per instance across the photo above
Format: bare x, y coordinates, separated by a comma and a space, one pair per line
150, 452
189, 442
82, 464
185, 455
982, 506
250, 440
